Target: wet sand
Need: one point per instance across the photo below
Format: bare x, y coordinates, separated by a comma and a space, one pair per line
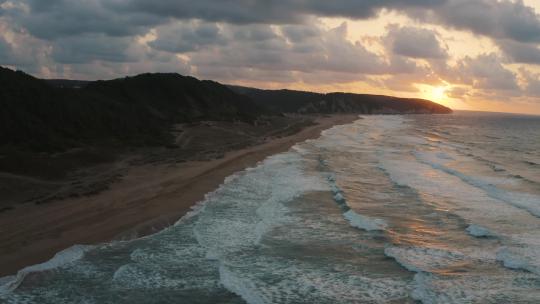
147, 199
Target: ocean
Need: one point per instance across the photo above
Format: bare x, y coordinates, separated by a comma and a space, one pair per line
388, 209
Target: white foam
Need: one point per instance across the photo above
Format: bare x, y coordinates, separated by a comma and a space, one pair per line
521, 258
122, 272
300, 149
295, 282
242, 212
364, 222
60, 259
475, 288
199, 206
270, 214
245, 288
339, 197
479, 231
356, 220
131, 276
420, 259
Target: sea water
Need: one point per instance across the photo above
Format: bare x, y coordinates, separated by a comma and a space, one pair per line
388, 209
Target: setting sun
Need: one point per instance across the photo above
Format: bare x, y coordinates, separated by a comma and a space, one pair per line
438, 93
435, 93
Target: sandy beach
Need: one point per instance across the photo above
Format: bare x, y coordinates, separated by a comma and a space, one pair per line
148, 198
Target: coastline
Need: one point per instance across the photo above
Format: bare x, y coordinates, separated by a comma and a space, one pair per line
148, 199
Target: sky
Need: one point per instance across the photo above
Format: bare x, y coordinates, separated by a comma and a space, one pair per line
466, 54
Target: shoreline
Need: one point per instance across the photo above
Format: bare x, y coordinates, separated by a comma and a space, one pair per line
148, 199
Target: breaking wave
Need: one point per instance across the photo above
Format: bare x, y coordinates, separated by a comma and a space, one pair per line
61, 259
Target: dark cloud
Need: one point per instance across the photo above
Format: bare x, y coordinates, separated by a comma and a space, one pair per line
91, 47
53, 18
496, 19
271, 12
415, 43
232, 11
59, 18
298, 34
184, 37
520, 52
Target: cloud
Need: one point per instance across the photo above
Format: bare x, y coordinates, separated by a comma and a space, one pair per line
305, 49
402, 65
498, 19
269, 12
307, 53
520, 52
414, 42
486, 72
278, 42
183, 37
405, 74
298, 34
5, 52
91, 47
20, 50
188, 26
532, 87
458, 92
53, 19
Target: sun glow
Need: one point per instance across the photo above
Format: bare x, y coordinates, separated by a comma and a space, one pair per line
438, 93
435, 93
